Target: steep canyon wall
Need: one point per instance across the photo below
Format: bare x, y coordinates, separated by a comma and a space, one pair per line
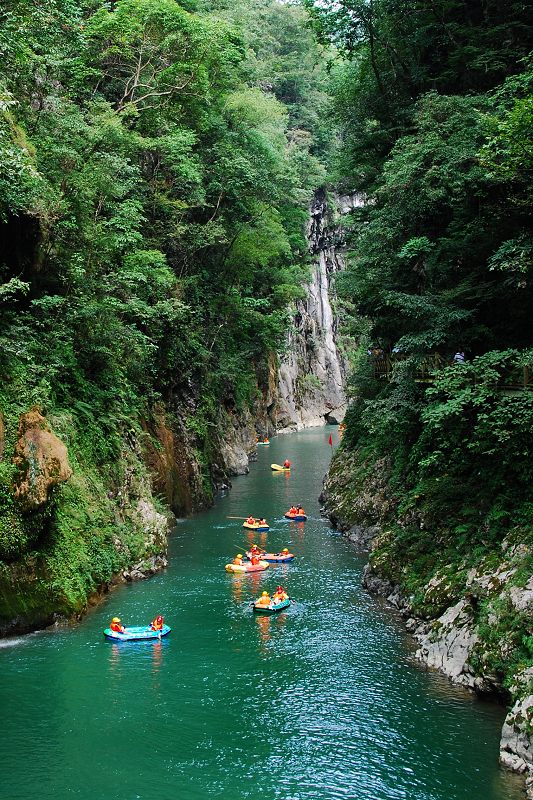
79, 517
312, 373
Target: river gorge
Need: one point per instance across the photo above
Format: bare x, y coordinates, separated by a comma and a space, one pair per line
323, 701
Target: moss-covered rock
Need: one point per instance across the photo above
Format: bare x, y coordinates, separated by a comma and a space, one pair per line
469, 604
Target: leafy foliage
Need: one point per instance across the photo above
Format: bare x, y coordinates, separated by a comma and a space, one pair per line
156, 162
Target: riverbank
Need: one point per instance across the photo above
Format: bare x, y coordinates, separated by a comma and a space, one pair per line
335, 668
469, 611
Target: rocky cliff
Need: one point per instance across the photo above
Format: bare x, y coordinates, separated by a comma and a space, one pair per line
472, 617
312, 373
84, 504
71, 524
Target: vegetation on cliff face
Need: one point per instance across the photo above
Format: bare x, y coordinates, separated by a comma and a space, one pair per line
156, 160
435, 114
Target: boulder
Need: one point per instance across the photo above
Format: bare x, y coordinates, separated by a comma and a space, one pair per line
449, 643
41, 459
522, 598
146, 568
336, 415
516, 746
362, 536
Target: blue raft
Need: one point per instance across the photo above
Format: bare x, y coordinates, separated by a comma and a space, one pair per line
136, 634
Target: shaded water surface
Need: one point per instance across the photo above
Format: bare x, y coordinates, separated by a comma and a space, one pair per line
323, 701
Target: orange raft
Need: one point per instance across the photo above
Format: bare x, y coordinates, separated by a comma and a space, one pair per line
239, 569
297, 517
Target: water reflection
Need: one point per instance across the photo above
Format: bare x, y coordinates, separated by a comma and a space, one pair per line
157, 656
236, 588
255, 582
265, 625
114, 659
286, 475
133, 651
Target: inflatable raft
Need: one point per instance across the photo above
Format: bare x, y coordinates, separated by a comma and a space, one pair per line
296, 517
238, 569
279, 468
136, 633
255, 527
264, 443
272, 608
275, 558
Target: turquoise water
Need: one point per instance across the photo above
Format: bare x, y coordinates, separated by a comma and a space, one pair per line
323, 701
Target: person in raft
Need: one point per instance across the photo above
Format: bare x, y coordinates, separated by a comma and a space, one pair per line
287, 464
300, 511
238, 559
284, 552
116, 626
251, 520
264, 600
157, 623
256, 551
279, 595
292, 510
262, 521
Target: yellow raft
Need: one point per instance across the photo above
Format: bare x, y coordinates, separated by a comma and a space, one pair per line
240, 568
278, 468
255, 527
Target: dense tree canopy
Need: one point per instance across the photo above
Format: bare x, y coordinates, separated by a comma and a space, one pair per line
434, 112
156, 161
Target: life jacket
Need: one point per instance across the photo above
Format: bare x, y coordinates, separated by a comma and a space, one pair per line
264, 601
255, 560
157, 625
238, 561
117, 627
250, 521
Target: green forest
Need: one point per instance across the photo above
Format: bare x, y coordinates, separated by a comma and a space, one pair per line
433, 105
157, 161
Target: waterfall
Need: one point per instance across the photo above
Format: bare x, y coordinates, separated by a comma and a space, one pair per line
312, 373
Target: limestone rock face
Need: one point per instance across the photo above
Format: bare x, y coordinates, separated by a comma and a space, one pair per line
449, 643
175, 473
522, 598
312, 374
41, 458
516, 745
236, 446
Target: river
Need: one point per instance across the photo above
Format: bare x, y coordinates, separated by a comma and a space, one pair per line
324, 701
